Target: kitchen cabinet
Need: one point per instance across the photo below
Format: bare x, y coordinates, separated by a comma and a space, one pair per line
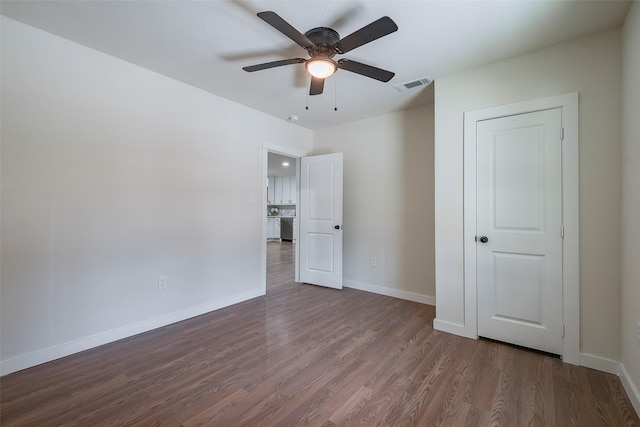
273, 228
284, 190
277, 199
271, 190
294, 190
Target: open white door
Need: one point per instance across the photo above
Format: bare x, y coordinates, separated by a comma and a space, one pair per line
320, 220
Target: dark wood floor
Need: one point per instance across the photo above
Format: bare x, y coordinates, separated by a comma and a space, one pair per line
280, 264
305, 355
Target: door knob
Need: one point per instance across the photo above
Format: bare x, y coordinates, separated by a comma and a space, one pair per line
482, 239
337, 227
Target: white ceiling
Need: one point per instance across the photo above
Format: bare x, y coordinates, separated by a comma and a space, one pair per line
276, 168
206, 43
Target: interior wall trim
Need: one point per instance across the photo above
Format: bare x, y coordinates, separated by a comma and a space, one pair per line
280, 149
29, 360
390, 292
599, 363
449, 327
630, 388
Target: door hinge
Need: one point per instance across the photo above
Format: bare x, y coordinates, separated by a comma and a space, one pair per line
562, 331
561, 134
562, 232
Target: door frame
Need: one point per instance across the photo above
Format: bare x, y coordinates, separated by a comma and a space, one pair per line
296, 154
568, 104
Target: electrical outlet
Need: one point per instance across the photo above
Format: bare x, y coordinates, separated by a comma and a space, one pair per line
373, 262
162, 283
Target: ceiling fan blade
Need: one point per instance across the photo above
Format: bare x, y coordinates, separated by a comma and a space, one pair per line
266, 65
366, 70
285, 28
366, 34
317, 86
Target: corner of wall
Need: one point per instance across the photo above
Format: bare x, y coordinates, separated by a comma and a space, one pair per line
630, 388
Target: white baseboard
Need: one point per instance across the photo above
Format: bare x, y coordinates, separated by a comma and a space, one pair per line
62, 350
449, 327
599, 363
396, 293
630, 388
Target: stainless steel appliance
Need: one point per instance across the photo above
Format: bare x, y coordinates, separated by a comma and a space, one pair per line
286, 229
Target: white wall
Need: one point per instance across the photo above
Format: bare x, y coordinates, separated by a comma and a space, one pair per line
113, 175
388, 201
590, 66
630, 349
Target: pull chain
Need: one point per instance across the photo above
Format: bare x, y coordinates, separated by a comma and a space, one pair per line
335, 94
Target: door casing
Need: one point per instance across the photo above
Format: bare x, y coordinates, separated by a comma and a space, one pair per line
297, 154
570, 214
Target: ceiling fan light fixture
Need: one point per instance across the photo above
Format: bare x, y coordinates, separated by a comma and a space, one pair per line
321, 68
322, 44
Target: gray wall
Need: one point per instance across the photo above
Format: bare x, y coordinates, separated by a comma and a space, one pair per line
592, 67
113, 175
388, 201
630, 335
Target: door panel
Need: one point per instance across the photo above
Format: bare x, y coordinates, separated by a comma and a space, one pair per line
320, 211
320, 252
518, 183
521, 302
519, 210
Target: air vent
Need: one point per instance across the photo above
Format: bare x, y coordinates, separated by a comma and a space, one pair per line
425, 81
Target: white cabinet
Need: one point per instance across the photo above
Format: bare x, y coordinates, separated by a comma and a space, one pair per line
284, 190
294, 191
271, 190
270, 222
276, 228
277, 199
273, 228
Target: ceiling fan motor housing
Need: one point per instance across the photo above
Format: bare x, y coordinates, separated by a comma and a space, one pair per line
324, 38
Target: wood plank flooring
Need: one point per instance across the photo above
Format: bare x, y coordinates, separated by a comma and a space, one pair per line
305, 355
280, 264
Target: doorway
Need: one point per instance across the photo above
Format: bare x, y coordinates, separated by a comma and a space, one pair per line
569, 329
281, 216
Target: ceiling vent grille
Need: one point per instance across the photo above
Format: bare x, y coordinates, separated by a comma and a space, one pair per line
425, 81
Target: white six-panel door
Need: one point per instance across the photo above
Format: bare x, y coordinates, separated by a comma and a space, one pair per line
519, 226
320, 217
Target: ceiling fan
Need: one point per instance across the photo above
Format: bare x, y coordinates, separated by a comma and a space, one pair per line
322, 44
